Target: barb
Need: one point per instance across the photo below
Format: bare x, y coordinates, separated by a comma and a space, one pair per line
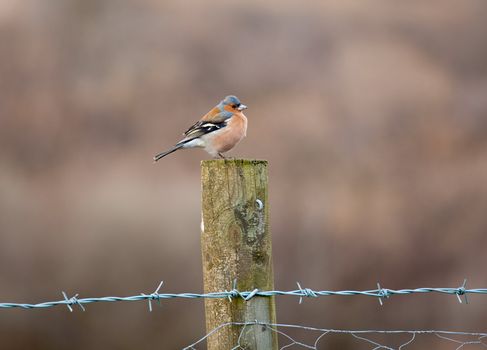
383, 293
72, 301
461, 291
306, 292
153, 296
319, 335
379, 293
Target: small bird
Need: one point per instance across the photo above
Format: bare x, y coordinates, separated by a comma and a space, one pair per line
218, 131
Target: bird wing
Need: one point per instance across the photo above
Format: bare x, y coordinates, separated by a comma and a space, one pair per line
201, 128
216, 115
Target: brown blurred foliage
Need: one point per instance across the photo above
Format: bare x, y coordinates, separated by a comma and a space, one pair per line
372, 114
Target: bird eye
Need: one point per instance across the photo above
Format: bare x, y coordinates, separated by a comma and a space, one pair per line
235, 106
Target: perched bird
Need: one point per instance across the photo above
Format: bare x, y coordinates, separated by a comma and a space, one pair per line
218, 131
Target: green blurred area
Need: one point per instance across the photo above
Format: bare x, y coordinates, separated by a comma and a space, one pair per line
372, 115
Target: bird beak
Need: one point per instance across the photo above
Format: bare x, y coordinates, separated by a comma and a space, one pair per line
242, 107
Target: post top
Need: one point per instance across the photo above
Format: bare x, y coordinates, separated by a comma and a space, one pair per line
236, 162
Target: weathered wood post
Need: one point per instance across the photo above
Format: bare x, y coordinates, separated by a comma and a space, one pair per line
236, 246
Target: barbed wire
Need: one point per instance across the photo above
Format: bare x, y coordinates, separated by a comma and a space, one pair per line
362, 335
379, 293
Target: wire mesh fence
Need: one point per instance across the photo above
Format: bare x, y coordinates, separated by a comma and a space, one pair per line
456, 340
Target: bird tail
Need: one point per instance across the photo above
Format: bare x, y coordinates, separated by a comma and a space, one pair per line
163, 154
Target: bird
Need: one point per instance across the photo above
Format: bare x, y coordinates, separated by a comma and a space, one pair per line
218, 131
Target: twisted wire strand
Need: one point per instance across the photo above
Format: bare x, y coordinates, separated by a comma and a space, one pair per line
380, 293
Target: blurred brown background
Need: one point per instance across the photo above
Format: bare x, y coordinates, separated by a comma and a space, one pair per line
372, 115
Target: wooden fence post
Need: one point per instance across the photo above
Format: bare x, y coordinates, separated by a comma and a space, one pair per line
236, 246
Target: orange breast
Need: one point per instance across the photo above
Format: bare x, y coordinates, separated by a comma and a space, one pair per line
231, 134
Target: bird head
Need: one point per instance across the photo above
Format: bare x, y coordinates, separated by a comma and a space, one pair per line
232, 104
